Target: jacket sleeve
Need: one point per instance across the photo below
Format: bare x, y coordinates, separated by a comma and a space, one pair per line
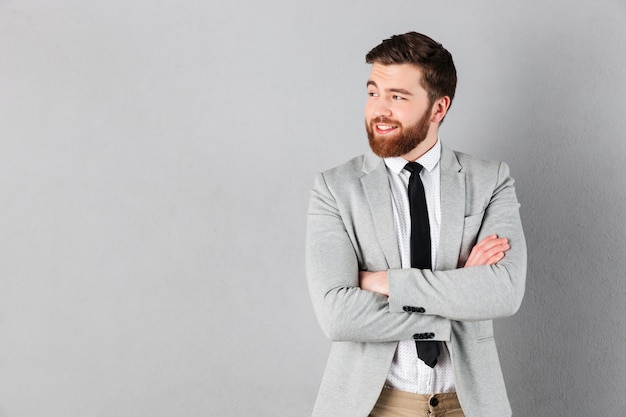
345, 312
479, 292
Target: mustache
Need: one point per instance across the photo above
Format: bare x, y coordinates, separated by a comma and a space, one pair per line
385, 120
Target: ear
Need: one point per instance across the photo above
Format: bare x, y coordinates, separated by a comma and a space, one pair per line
440, 108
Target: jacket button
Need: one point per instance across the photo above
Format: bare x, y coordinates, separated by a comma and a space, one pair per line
410, 309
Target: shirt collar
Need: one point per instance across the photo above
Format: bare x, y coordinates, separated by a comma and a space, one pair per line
429, 160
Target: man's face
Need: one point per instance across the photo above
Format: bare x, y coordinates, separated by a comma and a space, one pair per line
398, 112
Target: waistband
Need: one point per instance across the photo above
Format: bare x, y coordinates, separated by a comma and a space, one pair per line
411, 401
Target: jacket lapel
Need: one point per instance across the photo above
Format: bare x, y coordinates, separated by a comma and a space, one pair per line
378, 195
452, 210
376, 187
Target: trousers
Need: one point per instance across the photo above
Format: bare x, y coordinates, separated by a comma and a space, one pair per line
396, 403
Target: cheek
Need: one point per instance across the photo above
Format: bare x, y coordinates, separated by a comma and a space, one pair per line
410, 116
404, 118
369, 108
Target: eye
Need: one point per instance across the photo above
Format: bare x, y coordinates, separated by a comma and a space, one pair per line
372, 94
396, 97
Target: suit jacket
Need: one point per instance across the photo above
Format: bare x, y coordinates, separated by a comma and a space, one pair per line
350, 228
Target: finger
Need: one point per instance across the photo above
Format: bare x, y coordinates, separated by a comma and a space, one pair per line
495, 258
494, 250
490, 242
486, 240
491, 247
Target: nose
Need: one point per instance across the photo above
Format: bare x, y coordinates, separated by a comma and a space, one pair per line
381, 107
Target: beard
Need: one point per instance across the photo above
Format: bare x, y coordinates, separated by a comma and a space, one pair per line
401, 142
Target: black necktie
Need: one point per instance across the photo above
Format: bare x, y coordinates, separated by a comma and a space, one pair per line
420, 247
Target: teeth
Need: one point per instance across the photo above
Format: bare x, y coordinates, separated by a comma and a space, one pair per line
382, 127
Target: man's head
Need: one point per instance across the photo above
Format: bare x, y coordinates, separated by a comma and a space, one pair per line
438, 71
410, 89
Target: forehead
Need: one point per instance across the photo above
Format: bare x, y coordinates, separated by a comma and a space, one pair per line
396, 76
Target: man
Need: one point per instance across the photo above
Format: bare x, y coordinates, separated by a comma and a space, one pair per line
397, 278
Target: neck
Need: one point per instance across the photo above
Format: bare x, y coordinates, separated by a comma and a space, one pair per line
423, 147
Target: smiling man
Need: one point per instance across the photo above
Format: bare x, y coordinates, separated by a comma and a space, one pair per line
412, 250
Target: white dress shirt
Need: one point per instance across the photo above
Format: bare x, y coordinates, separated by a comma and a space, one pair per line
407, 372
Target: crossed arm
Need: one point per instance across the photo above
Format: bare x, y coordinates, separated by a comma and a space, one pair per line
488, 251
368, 306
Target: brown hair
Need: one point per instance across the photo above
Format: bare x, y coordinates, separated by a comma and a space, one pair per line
439, 73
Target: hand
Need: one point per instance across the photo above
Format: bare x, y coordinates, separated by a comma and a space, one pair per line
377, 282
488, 251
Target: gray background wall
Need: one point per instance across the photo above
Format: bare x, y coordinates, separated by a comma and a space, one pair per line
155, 163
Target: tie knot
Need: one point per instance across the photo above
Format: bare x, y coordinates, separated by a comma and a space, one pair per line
413, 167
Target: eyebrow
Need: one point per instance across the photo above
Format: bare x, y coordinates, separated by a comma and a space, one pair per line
391, 90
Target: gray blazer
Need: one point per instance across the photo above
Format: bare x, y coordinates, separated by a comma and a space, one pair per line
350, 228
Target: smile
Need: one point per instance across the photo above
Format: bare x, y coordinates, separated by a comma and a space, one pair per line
382, 129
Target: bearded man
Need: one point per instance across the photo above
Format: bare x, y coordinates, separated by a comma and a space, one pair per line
412, 250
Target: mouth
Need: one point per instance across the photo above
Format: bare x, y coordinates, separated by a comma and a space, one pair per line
384, 129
